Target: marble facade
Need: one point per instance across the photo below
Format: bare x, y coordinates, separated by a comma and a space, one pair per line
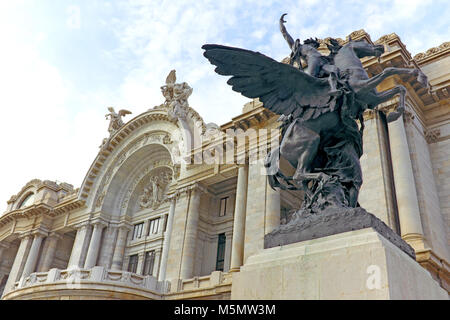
146, 225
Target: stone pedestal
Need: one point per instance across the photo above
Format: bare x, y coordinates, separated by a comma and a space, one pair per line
329, 222
358, 264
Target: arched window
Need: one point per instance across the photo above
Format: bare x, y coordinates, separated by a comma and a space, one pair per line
28, 201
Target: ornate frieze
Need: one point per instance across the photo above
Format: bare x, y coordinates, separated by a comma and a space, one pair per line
387, 38
432, 136
408, 116
432, 52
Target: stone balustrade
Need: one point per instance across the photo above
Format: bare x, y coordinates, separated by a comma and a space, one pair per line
76, 278
101, 283
216, 278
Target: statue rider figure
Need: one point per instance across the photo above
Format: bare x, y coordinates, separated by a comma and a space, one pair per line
318, 65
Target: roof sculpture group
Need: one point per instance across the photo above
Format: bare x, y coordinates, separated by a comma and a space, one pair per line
318, 107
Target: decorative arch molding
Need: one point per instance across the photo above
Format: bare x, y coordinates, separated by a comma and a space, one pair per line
28, 200
116, 194
120, 148
121, 163
31, 187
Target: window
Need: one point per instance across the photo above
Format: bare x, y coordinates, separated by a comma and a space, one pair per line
28, 201
154, 226
223, 206
220, 252
137, 231
149, 263
165, 223
132, 265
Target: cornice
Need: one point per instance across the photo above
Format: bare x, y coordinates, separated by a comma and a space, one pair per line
433, 53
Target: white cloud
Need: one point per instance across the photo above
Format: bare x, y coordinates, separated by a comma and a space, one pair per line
41, 137
73, 17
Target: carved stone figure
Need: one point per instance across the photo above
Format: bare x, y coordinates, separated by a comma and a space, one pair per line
115, 119
154, 193
115, 123
176, 95
320, 136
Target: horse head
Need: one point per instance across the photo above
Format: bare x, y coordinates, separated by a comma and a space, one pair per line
364, 49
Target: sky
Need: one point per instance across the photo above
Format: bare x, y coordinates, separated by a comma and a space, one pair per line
62, 63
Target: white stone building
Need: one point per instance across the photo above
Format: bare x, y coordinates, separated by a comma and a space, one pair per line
144, 226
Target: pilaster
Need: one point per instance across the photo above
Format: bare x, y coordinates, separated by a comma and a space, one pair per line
237, 251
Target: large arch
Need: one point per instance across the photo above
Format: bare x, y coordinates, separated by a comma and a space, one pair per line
128, 181
155, 127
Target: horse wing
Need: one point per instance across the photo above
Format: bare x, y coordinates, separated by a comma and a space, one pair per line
282, 88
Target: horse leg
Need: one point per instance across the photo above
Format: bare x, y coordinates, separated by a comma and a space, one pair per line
371, 83
302, 151
389, 94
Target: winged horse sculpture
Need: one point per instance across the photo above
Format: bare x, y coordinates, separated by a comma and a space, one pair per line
320, 136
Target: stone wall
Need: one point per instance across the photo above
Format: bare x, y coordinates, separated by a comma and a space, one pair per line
440, 158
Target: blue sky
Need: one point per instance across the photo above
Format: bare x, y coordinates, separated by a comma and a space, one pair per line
63, 62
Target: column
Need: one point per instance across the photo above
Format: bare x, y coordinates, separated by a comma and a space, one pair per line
33, 255
156, 263
19, 262
117, 262
48, 252
405, 186
79, 245
166, 244
140, 264
272, 209
94, 246
107, 247
237, 251
190, 237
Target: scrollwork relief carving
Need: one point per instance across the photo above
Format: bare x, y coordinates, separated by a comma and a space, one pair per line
432, 136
